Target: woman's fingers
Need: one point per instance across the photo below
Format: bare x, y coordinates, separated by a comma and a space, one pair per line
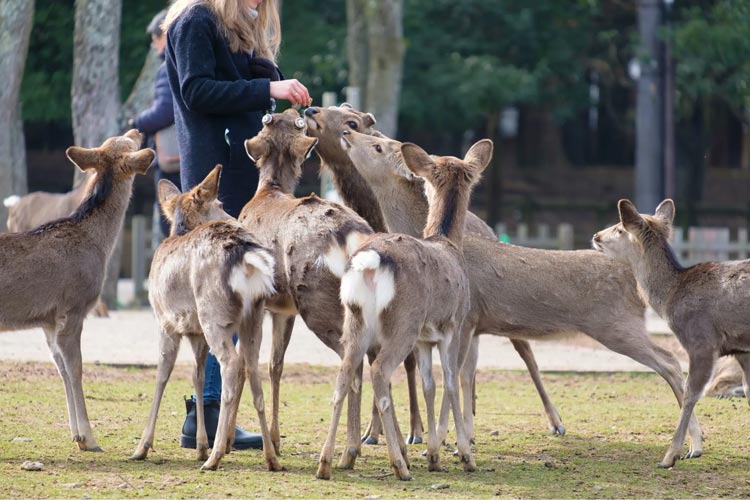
291, 90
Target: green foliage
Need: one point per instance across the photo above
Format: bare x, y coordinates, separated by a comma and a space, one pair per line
45, 91
711, 45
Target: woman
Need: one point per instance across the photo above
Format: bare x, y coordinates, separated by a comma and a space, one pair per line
220, 64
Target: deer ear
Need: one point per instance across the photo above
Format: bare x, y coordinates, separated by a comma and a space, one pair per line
665, 211
480, 155
346, 105
309, 143
629, 216
83, 158
255, 149
209, 188
369, 120
416, 159
168, 194
140, 161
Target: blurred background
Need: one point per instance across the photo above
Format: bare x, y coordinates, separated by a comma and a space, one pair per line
588, 101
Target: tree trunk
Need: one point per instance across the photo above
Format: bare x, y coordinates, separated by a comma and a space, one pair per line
385, 63
375, 50
16, 18
142, 94
95, 93
357, 48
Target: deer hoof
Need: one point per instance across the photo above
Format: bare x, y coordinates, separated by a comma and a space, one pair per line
693, 454
558, 430
324, 471
414, 439
275, 466
667, 463
140, 454
369, 440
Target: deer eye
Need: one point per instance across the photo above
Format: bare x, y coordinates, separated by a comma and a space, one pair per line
619, 230
352, 124
378, 148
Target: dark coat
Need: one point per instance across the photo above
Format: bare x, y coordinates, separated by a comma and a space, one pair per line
160, 114
214, 91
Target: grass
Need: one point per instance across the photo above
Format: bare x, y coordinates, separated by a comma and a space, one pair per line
618, 427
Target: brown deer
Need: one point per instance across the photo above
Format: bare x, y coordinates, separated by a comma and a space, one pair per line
298, 231
705, 305
525, 293
402, 293
51, 277
208, 280
34, 209
328, 125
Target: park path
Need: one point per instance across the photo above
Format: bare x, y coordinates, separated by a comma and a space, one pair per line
129, 337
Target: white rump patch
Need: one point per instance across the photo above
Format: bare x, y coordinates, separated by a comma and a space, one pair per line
253, 278
368, 285
336, 258
11, 200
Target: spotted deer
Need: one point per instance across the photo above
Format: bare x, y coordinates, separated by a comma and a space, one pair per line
705, 305
209, 280
34, 209
400, 293
50, 277
401, 214
298, 231
526, 293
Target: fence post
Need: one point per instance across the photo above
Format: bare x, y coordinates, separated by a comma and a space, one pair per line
565, 236
138, 259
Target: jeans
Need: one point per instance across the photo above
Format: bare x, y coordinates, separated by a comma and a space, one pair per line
212, 387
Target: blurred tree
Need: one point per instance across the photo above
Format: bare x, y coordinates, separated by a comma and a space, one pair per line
95, 93
15, 26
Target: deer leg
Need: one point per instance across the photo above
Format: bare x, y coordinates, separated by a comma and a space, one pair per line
235, 408
168, 348
523, 348
65, 376
468, 379
415, 419
354, 353
424, 360
375, 429
449, 358
282, 333
68, 340
699, 374
744, 361
634, 341
220, 341
390, 356
200, 351
353, 423
249, 344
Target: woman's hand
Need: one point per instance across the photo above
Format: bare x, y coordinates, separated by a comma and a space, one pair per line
291, 90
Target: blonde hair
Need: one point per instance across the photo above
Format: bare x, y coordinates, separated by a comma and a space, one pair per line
261, 35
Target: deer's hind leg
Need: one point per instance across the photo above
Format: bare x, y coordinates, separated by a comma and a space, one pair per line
169, 346
200, 351
744, 361
282, 333
65, 376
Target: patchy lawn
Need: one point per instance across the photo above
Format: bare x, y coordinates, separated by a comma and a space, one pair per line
618, 428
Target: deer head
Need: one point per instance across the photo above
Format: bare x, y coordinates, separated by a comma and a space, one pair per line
635, 232
118, 157
186, 211
327, 124
376, 157
280, 148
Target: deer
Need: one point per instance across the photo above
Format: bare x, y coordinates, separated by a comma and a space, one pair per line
328, 125
34, 209
300, 232
403, 293
525, 293
705, 305
209, 279
51, 276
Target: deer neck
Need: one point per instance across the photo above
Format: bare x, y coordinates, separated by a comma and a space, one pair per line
404, 205
102, 211
357, 194
276, 175
657, 272
447, 214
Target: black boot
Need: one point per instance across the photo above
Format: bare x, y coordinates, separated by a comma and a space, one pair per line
243, 440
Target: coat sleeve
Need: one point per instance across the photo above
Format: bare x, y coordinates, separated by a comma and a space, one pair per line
191, 40
161, 113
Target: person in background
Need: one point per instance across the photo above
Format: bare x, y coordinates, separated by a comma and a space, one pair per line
160, 115
220, 60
